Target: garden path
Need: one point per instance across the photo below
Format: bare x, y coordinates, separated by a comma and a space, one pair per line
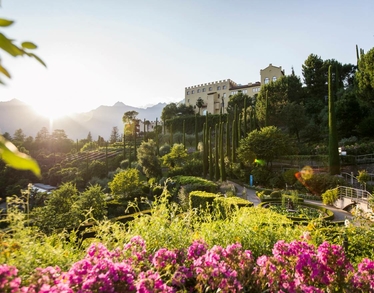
250, 194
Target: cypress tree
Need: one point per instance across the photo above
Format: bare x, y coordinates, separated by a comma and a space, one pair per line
210, 155
334, 160
216, 164
222, 157
245, 118
184, 133
266, 110
233, 138
227, 140
157, 146
204, 151
196, 134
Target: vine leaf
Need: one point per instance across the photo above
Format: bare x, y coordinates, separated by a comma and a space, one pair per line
17, 160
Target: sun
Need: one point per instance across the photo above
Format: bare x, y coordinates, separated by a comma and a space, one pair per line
53, 110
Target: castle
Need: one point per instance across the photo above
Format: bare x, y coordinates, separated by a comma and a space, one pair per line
215, 95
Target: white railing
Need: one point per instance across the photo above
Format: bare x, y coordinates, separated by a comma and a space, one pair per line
355, 194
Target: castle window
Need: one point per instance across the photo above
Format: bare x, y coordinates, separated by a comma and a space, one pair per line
210, 88
192, 92
224, 87
274, 78
198, 90
204, 90
266, 81
224, 95
218, 88
188, 92
245, 91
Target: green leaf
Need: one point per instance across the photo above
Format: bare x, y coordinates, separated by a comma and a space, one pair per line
5, 22
4, 71
37, 58
7, 45
29, 45
14, 158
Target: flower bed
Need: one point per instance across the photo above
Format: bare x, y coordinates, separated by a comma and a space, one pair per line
293, 267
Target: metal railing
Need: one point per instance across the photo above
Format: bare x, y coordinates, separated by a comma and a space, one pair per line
355, 194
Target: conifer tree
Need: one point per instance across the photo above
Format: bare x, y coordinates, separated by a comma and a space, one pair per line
334, 160
210, 155
216, 164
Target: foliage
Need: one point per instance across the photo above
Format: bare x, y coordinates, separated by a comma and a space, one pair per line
148, 160
192, 167
8, 46
126, 184
289, 176
363, 176
10, 155
202, 200
330, 196
196, 183
266, 144
320, 182
365, 77
176, 157
173, 110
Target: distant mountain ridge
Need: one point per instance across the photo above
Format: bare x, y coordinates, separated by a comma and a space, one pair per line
15, 114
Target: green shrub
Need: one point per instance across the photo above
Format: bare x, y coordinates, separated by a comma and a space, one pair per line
289, 176
330, 196
321, 182
196, 183
227, 205
276, 194
202, 199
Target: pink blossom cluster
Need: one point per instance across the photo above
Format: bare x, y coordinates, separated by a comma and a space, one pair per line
293, 267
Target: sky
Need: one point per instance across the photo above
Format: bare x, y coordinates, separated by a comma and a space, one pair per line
145, 52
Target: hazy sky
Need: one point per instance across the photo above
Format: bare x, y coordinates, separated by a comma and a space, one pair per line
145, 52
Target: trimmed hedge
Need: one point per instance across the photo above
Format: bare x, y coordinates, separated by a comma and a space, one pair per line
202, 199
196, 183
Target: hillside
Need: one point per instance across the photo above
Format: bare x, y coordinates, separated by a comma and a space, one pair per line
15, 114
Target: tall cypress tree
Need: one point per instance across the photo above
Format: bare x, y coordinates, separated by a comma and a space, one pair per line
233, 138
334, 160
184, 133
196, 134
205, 167
222, 157
216, 161
245, 118
157, 146
210, 154
228, 140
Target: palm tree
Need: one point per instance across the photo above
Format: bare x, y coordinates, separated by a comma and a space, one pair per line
200, 103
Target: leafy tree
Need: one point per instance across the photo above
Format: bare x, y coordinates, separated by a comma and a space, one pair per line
114, 136
89, 137
365, 77
97, 169
19, 137
273, 97
125, 184
130, 121
176, 157
92, 201
315, 78
294, 118
199, 104
238, 100
266, 144
148, 160
169, 111
58, 211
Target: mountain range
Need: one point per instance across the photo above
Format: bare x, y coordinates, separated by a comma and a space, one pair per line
15, 114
